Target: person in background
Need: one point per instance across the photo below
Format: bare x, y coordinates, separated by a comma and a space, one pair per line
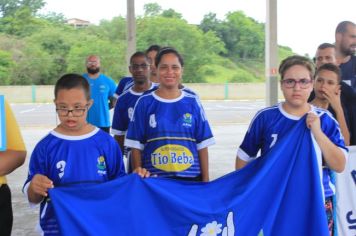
12, 157
102, 89
169, 134
127, 82
326, 53
327, 96
151, 53
345, 44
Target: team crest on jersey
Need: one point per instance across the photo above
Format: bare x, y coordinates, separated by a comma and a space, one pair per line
187, 119
153, 122
101, 166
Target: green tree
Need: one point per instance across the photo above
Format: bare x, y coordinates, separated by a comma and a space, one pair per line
112, 56
56, 42
6, 65
9, 7
114, 30
243, 36
21, 23
152, 9
32, 67
211, 23
196, 47
58, 19
170, 13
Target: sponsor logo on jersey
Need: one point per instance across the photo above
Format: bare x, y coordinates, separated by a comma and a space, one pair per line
172, 158
101, 166
187, 119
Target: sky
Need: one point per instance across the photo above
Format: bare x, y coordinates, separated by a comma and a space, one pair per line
302, 24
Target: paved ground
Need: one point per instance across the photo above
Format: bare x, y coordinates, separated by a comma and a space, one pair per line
229, 121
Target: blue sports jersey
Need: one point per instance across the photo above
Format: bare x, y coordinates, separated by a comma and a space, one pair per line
124, 84
124, 111
271, 124
101, 89
91, 158
170, 133
185, 89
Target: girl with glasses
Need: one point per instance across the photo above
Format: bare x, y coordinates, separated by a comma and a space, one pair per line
271, 124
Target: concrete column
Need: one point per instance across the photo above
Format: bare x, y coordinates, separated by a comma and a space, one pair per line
271, 53
131, 30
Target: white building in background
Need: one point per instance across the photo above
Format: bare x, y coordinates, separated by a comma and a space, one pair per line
78, 23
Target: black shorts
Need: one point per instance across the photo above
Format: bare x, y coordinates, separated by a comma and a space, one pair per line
6, 217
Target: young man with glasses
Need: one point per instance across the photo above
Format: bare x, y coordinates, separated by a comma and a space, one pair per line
140, 70
127, 82
75, 152
271, 124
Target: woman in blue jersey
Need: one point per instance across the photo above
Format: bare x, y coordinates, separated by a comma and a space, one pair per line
74, 152
169, 133
271, 124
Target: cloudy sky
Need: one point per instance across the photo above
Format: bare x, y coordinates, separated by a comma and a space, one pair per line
302, 24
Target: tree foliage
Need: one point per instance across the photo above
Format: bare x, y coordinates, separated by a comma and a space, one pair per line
10, 7
195, 45
38, 49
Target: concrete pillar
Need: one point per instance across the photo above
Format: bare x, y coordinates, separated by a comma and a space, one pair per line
131, 30
271, 53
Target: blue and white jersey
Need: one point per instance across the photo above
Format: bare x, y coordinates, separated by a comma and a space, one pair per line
271, 124
169, 133
101, 89
124, 110
184, 88
91, 158
124, 84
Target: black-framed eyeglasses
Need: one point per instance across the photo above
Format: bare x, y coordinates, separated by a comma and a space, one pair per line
290, 83
138, 66
77, 112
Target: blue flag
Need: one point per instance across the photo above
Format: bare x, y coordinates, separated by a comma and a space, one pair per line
2, 124
278, 194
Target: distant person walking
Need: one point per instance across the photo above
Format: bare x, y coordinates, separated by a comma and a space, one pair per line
102, 89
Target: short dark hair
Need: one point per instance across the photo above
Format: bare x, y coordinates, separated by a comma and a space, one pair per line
153, 47
325, 45
296, 60
138, 54
342, 26
70, 81
167, 50
330, 67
